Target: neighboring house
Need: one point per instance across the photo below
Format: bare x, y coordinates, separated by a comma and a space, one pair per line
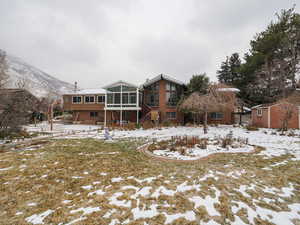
162, 94
274, 114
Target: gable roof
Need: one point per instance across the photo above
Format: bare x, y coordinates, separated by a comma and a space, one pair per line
162, 77
119, 82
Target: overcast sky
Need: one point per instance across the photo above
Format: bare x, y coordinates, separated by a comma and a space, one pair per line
96, 42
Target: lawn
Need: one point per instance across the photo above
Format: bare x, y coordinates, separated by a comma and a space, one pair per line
91, 181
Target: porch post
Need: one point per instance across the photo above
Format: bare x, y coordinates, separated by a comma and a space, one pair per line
104, 117
121, 117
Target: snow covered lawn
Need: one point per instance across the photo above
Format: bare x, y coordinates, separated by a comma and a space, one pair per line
91, 181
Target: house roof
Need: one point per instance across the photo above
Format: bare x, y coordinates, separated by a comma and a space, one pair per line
88, 92
162, 77
119, 83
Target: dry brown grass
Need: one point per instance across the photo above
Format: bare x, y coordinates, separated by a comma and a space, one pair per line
64, 160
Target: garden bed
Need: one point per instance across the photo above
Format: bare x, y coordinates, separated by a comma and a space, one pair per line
194, 147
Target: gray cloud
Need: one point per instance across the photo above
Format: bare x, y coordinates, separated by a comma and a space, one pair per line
97, 42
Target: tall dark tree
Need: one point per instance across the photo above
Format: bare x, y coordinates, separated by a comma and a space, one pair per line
198, 83
270, 68
229, 72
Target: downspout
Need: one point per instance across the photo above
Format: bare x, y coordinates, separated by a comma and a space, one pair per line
269, 117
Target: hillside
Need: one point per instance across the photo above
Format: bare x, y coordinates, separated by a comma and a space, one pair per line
37, 82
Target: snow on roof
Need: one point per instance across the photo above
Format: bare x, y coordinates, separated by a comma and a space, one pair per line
229, 89
88, 91
117, 83
162, 77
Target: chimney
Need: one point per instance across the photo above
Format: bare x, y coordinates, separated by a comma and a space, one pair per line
75, 87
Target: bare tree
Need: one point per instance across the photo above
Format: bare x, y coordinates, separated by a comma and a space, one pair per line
218, 99
3, 69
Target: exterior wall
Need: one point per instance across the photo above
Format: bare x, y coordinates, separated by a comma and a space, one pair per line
260, 121
69, 106
84, 117
163, 108
278, 113
228, 118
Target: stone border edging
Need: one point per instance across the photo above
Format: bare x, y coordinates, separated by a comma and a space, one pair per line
144, 149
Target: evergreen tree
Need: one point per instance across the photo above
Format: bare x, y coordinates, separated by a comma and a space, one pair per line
229, 72
198, 83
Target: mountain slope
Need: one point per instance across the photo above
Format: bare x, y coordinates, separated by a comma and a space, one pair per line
36, 81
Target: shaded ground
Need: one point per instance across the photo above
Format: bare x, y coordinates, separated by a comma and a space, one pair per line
87, 181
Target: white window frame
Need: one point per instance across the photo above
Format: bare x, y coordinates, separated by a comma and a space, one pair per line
77, 102
89, 97
259, 112
170, 113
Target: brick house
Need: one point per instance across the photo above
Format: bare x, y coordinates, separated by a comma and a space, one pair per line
161, 94
272, 115
122, 102
125, 102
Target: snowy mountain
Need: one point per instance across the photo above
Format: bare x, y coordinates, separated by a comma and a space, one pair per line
36, 81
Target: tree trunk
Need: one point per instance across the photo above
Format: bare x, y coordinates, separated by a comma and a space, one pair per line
205, 123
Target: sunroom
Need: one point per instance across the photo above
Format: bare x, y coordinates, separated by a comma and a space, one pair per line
122, 103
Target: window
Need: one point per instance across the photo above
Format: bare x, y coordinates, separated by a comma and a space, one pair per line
171, 115
132, 98
76, 99
172, 94
152, 96
216, 116
93, 114
89, 99
101, 98
125, 98
117, 97
259, 112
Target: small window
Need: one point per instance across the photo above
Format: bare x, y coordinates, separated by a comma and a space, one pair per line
76, 99
93, 114
259, 112
216, 116
89, 99
171, 115
101, 98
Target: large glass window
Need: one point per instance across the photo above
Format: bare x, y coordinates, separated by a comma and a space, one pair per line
117, 98
132, 98
173, 92
89, 99
125, 98
110, 98
152, 94
76, 99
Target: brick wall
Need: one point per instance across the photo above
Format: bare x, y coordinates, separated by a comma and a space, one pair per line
260, 121
278, 113
163, 107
